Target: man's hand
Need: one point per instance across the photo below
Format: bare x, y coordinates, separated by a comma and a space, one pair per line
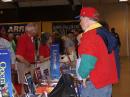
27, 63
21, 59
84, 83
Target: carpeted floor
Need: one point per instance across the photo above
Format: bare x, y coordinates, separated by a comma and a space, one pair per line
122, 89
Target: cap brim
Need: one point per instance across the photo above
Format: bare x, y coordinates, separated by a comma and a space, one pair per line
77, 17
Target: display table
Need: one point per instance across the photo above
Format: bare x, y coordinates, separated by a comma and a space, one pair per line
44, 88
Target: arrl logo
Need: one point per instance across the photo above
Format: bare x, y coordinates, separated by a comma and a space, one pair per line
2, 72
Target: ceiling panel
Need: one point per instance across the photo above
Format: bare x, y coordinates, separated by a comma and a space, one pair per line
35, 3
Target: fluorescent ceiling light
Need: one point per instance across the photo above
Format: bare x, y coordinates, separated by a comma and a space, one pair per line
7, 0
123, 0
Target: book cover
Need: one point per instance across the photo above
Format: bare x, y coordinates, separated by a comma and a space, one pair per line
30, 83
38, 74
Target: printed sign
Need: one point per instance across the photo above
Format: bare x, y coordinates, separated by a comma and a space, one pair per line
5, 74
65, 27
55, 62
16, 29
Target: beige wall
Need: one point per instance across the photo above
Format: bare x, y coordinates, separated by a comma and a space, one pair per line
46, 26
115, 15
39, 27
129, 27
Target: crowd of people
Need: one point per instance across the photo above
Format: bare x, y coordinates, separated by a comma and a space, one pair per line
98, 57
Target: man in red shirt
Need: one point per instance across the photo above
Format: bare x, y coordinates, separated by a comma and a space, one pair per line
25, 52
97, 66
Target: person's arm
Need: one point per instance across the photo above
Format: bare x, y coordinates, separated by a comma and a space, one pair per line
22, 60
13, 57
42, 59
86, 65
12, 54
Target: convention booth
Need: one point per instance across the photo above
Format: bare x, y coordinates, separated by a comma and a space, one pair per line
46, 80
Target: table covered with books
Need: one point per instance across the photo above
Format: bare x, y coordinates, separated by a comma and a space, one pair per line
45, 87
46, 83
51, 86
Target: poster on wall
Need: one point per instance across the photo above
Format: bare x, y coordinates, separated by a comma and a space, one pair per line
55, 62
16, 29
5, 74
65, 27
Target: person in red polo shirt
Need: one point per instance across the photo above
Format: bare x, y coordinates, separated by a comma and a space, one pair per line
97, 66
25, 52
44, 51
